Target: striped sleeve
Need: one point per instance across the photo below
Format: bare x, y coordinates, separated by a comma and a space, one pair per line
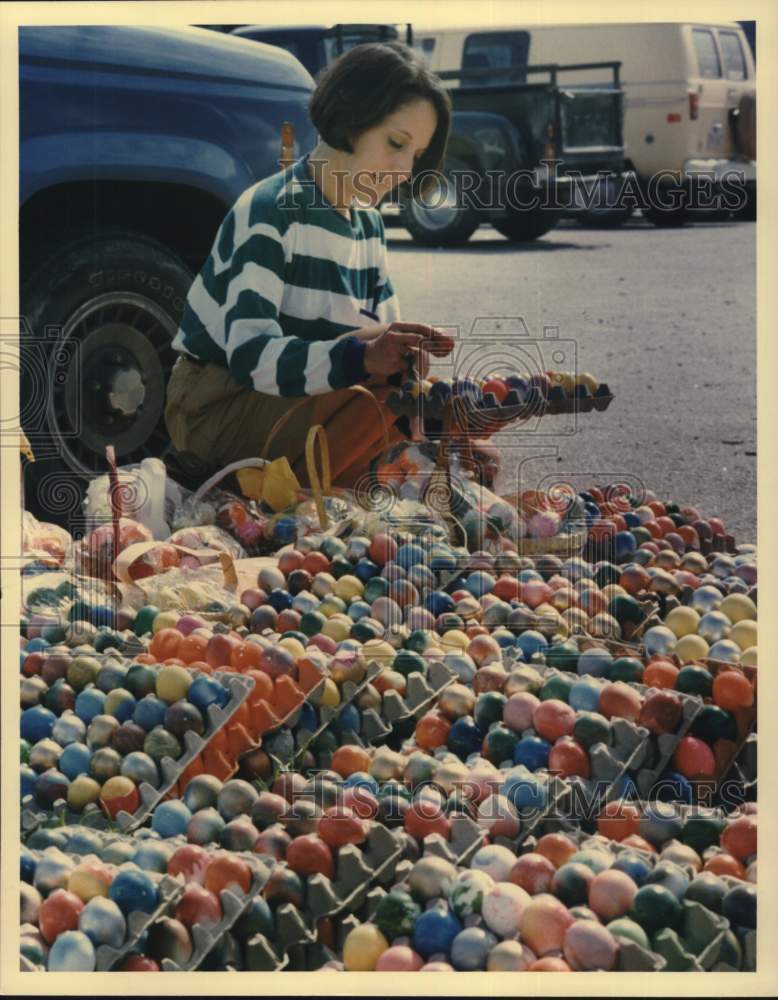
387, 303
258, 353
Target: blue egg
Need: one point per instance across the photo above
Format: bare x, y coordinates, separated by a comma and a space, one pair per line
464, 737
361, 779
72, 951
434, 932
151, 856
505, 639
532, 752
671, 876
591, 508
150, 711
439, 603
633, 865
27, 865
170, 818
203, 691
409, 555
103, 922
280, 599
479, 583
527, 575
36, 645
83, 842
595, 661
584, 695
131, 890
308, 719
470, 949
349, 718
524, 792
631, 519
441, 561
366, 569
673, 787
285, 530
531, 642
102, 615
89, 703
625, 544
125, 710
37, 723
74, 760
439, 393
358, 609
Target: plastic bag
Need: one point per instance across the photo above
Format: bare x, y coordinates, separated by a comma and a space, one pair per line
94, 555
138, 485
207, 536
48, 542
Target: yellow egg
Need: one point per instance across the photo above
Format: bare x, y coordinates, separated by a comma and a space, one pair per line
380, 651
82, 791
173, 683
575, 618
348, 587
612, 590
329, 694
738, 607
332, 605
89, 879
336, 628
165, 619
748, 659
683, 621
744, 633
454, 641
691, 647
585, 378
294, 646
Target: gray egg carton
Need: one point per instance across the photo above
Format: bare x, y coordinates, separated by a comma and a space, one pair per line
357, 870
421, 693
294, 934
234, 903
697, 949
349, 692
466, 837
171, 770
170, 891
33, 817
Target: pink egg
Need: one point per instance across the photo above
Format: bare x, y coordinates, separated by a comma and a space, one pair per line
400, 958
611, 894
498, 816
588, 946
186, 624
518, 711
535, 592
543, 525
544, 924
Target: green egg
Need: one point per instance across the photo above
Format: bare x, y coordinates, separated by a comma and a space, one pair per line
694, 680
312, 622
418, 641
144, 619
407, 662
557, 687
375, 588
628, 669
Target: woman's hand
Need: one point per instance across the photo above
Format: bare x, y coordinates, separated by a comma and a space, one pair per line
396, 347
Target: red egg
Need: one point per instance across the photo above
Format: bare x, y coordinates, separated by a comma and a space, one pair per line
219, 651
694, 759
191, 861
557, 847
568, 757
288, 620
639, 843
553, 718
315, 562
340, 825
634, 579
618, 819
139, 963
661, 713
551, 963
308, 854
198, 906
739, 837
424, 817
506, 588
533, 872
362, 802
383, 549
535, 592
324, 643
399, 958
58, 913
253, 598
289, 561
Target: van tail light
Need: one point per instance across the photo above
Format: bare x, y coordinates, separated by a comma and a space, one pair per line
694, 105
673, 116
287, 145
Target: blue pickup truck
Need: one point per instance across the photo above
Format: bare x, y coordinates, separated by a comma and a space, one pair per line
134, 143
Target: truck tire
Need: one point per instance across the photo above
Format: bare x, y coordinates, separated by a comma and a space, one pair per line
443, 225
100, 311
666, 218
523, 227
599, 219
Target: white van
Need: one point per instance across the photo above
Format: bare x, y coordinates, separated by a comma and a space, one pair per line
683, 84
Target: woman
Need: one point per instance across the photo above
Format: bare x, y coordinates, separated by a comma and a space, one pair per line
295, 299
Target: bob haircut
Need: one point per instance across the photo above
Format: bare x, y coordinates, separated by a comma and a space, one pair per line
368, 83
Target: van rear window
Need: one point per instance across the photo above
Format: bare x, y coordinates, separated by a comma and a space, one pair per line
732, 50
496, 51
707, 56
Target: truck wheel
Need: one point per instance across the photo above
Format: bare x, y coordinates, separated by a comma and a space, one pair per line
101, 311
523, 227
444, 217
598, 219
666, 218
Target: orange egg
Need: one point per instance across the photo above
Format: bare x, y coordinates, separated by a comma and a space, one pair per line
731, 690
739, 837
556, 847
193, 647
660, 674
432, 731
349, 759
725, 864
620, 701
165, 643
619, 819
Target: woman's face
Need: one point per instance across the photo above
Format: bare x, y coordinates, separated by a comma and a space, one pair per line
384, 155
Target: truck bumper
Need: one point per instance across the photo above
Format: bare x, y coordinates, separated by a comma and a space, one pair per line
717, 169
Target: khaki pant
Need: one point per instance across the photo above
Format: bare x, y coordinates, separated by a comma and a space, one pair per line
210, 415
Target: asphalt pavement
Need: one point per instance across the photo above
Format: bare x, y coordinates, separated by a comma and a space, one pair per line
666, 317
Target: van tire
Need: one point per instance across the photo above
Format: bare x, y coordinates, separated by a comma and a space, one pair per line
673, 219
436, 229
524, 227
604, 220
110, 301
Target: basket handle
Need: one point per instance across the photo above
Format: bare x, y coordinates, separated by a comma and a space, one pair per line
216, 478
319, 488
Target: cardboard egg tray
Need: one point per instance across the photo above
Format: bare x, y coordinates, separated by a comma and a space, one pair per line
469, 416
195, 749
295, 937
34, 818
234, 904
421, 694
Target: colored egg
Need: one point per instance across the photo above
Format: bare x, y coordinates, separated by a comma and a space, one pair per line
588, 946
363, 947
544, 923
103, 922
434, 933
72, 951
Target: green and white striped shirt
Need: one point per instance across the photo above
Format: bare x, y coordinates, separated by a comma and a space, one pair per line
286, 280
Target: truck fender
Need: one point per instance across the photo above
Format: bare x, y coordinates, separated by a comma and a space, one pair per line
486, 141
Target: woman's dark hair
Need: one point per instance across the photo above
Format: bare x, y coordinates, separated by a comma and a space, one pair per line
371, 81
